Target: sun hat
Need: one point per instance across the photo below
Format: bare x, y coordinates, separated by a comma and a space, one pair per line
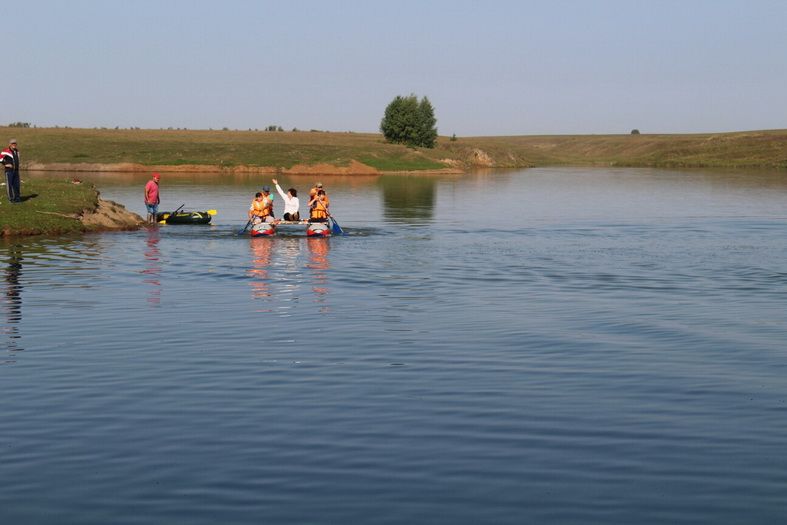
318, 185
266, 188
12, 141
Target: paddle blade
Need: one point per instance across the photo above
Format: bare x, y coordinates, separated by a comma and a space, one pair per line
241, 232
335, 228
211, 212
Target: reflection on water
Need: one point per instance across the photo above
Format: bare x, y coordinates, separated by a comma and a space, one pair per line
408, 198
601, 347
319, 264
290, 276
260, 263
152, 271
12, 300
276, 270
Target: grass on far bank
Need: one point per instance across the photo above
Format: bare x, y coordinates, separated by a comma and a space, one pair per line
225, 149
45, 207
755, 149
214, 148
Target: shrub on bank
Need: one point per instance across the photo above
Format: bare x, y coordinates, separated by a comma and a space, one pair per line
410, 121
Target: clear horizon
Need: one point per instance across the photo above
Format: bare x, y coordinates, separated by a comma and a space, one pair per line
498, 68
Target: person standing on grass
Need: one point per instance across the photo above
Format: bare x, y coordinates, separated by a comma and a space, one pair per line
291, 203
152, 198
10, 157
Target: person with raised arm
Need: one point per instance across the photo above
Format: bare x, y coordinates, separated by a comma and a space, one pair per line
291, 203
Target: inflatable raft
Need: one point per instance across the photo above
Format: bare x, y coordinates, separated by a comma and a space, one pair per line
312, 229
185, 217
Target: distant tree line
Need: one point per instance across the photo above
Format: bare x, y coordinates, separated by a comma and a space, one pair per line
272, 127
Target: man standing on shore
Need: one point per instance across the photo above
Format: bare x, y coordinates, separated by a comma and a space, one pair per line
152, 198
11, 164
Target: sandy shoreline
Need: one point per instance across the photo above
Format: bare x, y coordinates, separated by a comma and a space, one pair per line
354, 168
110, 216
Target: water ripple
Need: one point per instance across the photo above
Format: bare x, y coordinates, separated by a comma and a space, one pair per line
599, 358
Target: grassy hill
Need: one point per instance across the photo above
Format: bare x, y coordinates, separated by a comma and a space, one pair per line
231, 149
738, 149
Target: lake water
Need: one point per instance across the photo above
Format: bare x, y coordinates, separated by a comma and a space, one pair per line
585, 346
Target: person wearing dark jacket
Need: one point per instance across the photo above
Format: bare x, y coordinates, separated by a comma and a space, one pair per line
10, 157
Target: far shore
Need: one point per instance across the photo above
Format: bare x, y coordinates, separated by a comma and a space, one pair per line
355, 168
345, 153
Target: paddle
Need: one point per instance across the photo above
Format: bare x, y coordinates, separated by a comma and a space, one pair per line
247, 225
335, 228
211, 212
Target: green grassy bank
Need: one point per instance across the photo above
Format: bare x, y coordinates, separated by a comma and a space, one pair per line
227, 149
48, 207
761, 149
222, 149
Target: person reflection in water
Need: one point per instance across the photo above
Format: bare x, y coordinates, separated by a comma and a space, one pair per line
319, 264
12, 298
261, 260
152, 269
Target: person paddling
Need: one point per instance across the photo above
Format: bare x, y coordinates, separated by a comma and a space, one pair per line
318, 187
291, 203
152, 198
318, 207
261, 208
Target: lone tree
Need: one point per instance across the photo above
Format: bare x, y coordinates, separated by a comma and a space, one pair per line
410, 121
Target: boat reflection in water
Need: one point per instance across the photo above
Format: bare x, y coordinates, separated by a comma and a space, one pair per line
277, 270
12, 302
288, 274
152, 271
261, 249
319, 263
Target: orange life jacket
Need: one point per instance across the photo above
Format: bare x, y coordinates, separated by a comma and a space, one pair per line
319, 210
262, 208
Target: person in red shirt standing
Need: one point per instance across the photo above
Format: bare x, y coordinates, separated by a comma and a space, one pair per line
152, 198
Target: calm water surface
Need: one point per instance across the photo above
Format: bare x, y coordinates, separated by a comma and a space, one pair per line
543, 346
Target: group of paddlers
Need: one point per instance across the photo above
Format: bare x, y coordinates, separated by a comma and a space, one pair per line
261, 208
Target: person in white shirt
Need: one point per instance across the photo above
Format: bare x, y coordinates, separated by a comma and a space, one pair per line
291, 203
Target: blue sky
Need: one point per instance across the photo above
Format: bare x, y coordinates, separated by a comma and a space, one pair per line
489, 68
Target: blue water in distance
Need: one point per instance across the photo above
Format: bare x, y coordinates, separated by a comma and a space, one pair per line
541, 346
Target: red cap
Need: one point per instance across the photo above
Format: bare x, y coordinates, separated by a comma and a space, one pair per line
156, 176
